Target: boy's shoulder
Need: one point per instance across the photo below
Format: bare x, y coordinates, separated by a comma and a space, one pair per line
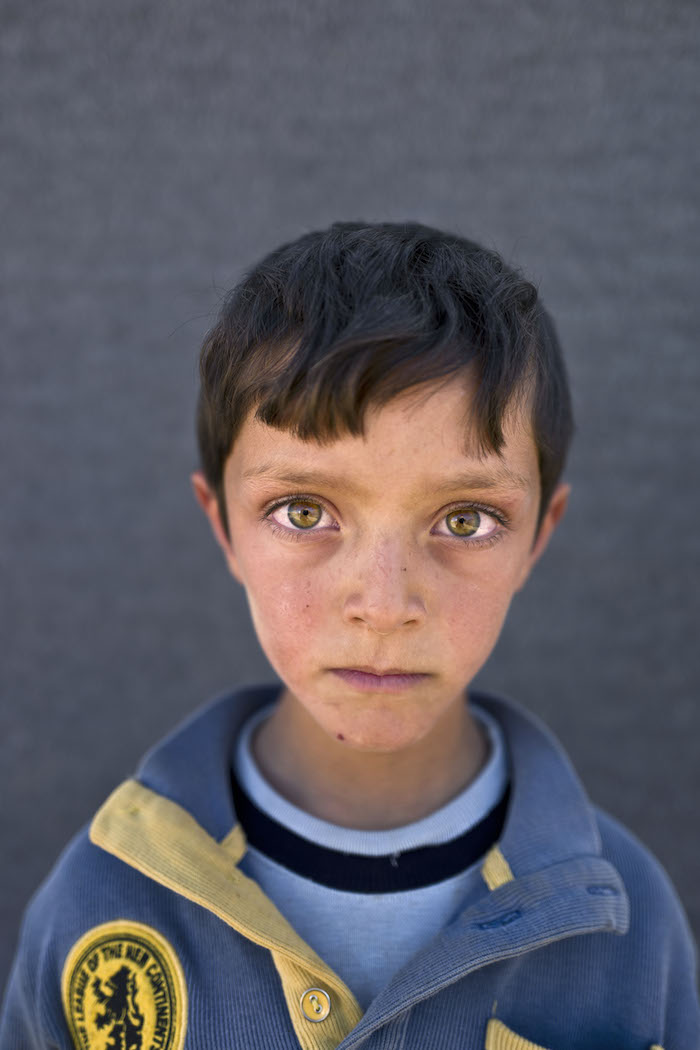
552, 820
184, 777
638, 865
656, 909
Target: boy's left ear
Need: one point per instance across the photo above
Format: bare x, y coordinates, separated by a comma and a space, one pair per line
553, 515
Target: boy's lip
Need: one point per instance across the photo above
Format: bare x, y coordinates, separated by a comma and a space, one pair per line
373, 670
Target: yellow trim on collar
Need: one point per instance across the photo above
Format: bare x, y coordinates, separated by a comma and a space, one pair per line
164, 842
500, 1037
496, 870
234, 843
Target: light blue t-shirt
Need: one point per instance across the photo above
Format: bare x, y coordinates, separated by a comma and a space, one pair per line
366, 937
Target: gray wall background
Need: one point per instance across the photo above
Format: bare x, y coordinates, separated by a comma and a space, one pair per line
150, 153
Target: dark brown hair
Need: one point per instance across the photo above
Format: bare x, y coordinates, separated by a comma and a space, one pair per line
350, 316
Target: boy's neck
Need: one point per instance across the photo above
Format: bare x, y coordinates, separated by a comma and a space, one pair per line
372, 791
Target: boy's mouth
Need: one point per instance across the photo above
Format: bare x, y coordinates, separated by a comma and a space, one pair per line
384, 682
377, 671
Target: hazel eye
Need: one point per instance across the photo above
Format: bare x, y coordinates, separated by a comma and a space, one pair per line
303, 513
466, 522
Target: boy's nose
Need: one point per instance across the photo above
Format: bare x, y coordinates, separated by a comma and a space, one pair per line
381, 590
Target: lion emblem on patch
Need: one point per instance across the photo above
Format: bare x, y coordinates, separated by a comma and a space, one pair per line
123, 989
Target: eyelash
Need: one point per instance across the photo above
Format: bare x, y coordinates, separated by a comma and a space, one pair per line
479, 544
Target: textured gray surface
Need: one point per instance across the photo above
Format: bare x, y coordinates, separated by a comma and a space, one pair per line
150, 153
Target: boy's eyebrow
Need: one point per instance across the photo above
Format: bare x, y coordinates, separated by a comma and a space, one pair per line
499, 478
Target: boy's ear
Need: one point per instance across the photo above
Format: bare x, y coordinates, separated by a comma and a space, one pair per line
553, 515
207, 500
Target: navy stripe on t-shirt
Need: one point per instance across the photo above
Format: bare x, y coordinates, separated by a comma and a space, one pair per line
357, 873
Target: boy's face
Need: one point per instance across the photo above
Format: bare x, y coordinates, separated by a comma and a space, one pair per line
377, 564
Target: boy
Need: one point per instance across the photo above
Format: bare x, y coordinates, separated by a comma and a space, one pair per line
372, 854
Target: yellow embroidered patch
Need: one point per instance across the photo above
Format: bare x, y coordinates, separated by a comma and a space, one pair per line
123, 985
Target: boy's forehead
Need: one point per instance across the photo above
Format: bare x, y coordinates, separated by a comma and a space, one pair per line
426, 437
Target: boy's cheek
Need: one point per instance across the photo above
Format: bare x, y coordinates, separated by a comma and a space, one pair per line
471, 626
284, 615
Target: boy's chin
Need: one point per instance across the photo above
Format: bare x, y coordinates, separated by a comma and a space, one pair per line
377, 724
383, 734
378, 744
